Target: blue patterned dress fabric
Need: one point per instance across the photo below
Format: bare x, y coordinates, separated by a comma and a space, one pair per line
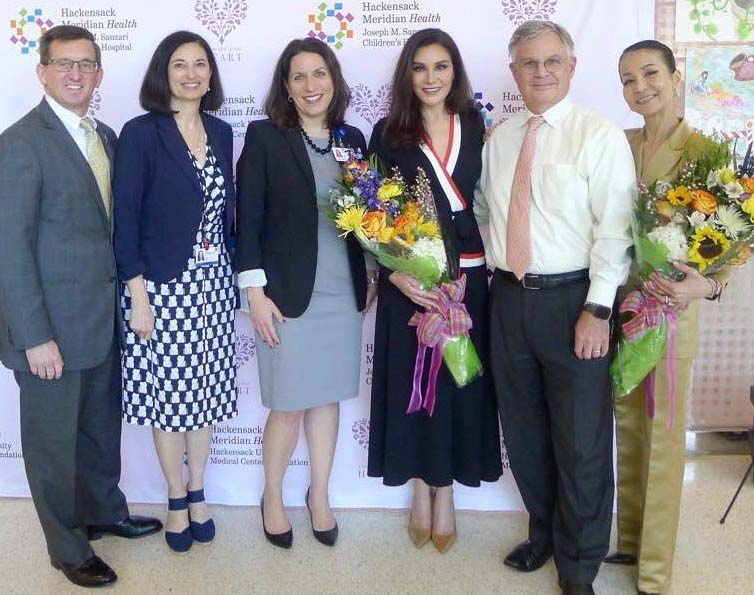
183, 378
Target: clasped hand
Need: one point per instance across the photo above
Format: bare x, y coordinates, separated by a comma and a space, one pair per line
678, 293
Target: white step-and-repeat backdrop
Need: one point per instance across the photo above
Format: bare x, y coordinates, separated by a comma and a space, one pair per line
247, 36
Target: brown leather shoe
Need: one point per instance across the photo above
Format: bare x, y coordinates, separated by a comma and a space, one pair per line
444, 541
90, 573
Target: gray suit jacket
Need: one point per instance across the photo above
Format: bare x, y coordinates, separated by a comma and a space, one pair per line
57, 267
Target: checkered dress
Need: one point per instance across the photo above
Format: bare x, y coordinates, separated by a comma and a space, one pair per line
183, 378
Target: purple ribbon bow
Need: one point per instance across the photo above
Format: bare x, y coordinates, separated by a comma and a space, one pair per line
448, 318
648, 313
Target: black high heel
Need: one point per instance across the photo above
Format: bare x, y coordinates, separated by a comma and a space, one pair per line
284, 540
328, 537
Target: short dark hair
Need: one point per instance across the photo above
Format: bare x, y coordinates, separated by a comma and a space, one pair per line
280, 110
657, 46
405, 126
66, 33
155, 89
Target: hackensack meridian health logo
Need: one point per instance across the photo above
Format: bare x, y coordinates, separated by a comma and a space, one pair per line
221, 17
331, 24
27, 28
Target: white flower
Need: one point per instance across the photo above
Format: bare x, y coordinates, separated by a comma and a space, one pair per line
432, 248
731, 221
734, 189
714, 178
697, 219
661, 189
672, 237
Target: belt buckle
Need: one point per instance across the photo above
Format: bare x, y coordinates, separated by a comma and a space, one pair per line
534, 277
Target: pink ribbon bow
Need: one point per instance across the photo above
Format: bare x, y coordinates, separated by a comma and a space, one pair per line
649, 313
448, 318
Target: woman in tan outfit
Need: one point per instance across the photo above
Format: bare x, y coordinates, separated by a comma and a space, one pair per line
651, 450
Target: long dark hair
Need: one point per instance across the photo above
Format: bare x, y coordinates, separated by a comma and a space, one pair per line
155, 90
280, 110
404, 126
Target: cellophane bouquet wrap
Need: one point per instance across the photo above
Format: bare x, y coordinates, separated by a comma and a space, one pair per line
704, 218
398, 225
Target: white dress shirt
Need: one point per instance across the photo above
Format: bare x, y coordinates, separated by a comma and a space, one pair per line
72, 123
583, 188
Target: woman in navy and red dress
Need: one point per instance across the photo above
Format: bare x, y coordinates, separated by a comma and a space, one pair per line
432, 124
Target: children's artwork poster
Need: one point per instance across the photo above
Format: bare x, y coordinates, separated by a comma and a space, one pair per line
714, 20
720, 92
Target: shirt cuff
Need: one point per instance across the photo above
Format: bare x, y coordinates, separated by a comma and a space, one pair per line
601, 292
252, 278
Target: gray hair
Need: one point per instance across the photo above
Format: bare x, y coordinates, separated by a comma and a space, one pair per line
531, 29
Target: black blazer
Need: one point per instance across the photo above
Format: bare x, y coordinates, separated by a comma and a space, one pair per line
158, 198
277, 215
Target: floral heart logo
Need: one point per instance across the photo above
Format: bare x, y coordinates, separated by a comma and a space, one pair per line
245, 349
370, 106
360, 430
519, 11
221, 17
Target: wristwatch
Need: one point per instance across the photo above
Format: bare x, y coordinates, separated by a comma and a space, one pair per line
598, 310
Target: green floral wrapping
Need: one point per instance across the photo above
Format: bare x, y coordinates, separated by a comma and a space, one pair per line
635, 359
461, 358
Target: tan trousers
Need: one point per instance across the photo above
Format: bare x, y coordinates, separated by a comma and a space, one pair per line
650, 476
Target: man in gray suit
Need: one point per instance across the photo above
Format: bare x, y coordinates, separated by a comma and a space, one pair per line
58, 308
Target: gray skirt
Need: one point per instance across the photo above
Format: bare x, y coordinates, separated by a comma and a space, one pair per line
319, 356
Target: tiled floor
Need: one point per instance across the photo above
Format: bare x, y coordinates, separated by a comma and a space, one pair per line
374, 554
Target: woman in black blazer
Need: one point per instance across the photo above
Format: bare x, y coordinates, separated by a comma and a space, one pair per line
305, 285
174, 203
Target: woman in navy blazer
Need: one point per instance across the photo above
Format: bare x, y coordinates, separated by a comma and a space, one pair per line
174, 205
306, 286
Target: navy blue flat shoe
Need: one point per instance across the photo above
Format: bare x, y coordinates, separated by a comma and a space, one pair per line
202, 532
179, 542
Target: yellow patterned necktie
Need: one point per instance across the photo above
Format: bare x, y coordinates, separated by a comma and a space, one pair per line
98, 161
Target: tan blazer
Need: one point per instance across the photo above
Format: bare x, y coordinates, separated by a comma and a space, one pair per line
664, 166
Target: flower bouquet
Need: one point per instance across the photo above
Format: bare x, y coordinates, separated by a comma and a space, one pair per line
398, 225
705, 219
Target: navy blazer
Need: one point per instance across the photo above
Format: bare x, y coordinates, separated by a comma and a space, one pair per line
157, 196
277, 215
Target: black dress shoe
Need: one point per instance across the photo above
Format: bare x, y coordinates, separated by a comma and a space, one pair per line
327, 537
528, 556
90, 573
571, 588
284, 540
130, 528
622, 559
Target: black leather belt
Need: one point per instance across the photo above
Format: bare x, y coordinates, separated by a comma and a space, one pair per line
531, 281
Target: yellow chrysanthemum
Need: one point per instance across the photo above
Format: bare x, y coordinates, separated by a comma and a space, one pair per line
680, 195
389, 190
707, 246
748, 207
351, 220
429, 229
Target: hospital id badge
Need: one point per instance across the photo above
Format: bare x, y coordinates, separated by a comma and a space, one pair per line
342, 154
206, 254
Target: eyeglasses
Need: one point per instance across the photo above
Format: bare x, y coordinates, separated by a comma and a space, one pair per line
553, 64
66, 65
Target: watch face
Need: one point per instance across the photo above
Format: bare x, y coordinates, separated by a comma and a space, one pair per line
599, 311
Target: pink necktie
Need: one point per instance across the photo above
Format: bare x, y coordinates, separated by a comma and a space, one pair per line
518, 243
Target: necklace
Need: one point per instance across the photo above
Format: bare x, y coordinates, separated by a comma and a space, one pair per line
309, 142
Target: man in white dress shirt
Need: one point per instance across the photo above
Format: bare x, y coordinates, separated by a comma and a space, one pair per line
557, 189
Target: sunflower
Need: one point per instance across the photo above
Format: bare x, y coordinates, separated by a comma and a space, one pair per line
707, 246
680, 195
351, 220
